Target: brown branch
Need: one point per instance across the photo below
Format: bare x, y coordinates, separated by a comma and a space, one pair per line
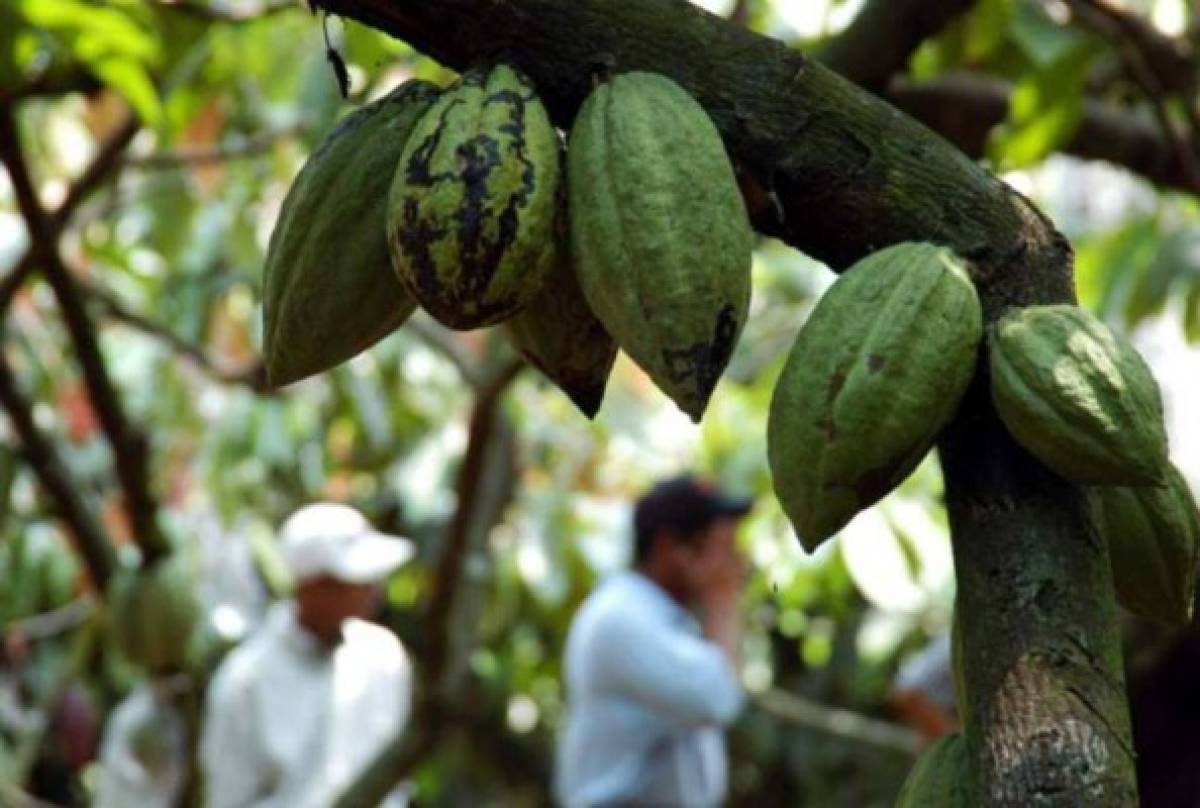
964, 107
441, 663
884, 35
50, 471
254, 146
1172, 61
129, 446
253, 376
106, 161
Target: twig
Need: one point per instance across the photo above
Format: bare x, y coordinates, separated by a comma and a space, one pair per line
129, 445
253, 146
51, 473
53, 622
106, 161
841, 723
253, 376
444, 341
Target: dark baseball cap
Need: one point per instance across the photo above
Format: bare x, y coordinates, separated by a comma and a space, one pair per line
685, 505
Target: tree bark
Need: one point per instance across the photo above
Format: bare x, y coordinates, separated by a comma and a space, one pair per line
838, 173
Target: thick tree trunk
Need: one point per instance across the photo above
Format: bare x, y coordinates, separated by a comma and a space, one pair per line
837, 173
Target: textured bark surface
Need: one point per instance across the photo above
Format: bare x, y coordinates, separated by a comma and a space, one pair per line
837, 173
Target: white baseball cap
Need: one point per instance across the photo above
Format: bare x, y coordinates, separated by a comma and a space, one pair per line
326, 538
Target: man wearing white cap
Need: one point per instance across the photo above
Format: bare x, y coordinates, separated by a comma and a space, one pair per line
307, 701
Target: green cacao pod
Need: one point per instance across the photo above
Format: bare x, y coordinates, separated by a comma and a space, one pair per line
1078, 397
329, 290
560, 336
659, 235
939, 778
1153, 536
875, 374
473, 203
155, 611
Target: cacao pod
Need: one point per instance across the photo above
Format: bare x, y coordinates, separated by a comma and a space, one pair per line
473, 203
660, 238
329, 290
939, 778
1078, 397
875, 374
1153, 536
154, 612
560, 336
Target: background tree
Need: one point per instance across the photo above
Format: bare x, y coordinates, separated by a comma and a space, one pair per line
148, 147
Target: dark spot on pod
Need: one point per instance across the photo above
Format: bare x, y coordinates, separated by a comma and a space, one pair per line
703, 362
875, 363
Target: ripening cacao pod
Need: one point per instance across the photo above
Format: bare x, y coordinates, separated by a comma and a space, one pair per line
560, 336
660, 238
875, 374
1153, 536
1078, 397
328, 287
939, 778
473, 203
154, 612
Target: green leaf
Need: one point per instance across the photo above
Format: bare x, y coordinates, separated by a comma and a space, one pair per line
133, 82
1043, 41
1191, 314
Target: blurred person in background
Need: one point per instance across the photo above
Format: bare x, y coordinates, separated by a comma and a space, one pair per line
650, 689
923, 690
299, 709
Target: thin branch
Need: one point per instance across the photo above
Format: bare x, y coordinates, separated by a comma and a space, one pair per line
129, 445
254, 146
964, 107
52, 474
838, 722
52, 623
106, 161
446, 342
253, 376
484, 486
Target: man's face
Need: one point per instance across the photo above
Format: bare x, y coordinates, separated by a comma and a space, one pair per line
326, 602
709, 559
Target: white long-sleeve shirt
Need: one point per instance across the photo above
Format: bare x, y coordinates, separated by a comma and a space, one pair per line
647, 700
290, 723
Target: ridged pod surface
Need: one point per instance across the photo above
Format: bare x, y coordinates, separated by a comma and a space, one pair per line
471, 218
1153, 536
659, 235
154, 612
939, 778
1078, 397
329, 290
875, 374
560, 336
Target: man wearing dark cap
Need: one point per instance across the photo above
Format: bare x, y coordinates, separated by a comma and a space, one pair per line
650, 688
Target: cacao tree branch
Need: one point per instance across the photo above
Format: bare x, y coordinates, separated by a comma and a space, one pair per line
129, 446
253, 376
52, 474
964, 107
484, 487
845, 174
106, 161
884, 35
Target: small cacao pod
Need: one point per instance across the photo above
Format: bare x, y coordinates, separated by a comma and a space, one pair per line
473, 203
329, 292
560, 336
660, 238
875, 374
1153, 536
939, 778
154, 612
1077, 396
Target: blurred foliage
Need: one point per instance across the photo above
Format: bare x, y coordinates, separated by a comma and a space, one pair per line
233, 96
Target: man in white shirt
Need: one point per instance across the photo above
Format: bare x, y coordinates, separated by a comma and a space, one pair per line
649, 695
296, 711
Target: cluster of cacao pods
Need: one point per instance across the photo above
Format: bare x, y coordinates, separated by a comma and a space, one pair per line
880, 367
465, 202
